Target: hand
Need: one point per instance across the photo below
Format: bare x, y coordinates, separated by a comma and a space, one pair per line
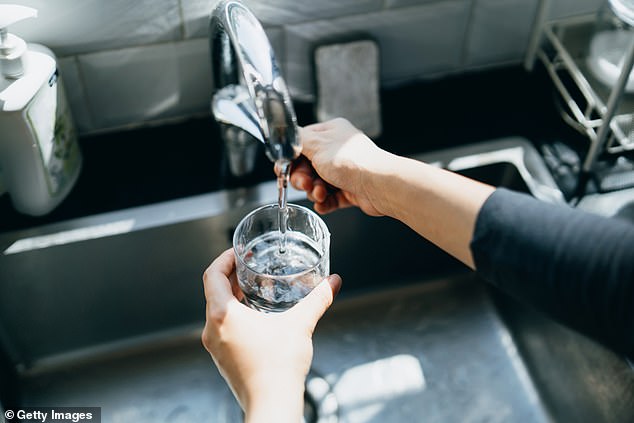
341, 167
264, 358
336, 161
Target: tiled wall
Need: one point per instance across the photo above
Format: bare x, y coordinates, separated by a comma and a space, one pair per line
127, 63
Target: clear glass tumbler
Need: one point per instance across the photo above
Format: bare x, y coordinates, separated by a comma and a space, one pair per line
277, 268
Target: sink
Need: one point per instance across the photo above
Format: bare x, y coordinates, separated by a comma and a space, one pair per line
107, 311
626, 212
618, 204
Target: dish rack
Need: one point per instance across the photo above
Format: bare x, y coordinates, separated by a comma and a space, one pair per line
604, 114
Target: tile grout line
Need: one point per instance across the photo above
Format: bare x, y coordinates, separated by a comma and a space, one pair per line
183, 38
84, 93
466, 36
181, 17
135, 46
467, 29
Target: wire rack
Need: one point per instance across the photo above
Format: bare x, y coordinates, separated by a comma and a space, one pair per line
604, 114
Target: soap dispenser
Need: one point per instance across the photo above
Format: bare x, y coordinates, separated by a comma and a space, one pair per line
39, 154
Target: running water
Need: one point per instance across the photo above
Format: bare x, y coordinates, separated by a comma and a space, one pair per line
283, 264
282, 216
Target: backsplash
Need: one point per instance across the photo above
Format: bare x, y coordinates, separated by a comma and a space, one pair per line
131, 63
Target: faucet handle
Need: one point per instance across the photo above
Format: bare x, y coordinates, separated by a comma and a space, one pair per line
250, 90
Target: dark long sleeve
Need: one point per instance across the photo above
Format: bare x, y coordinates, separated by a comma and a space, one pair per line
576, 266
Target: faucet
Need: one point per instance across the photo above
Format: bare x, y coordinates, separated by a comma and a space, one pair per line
250, 101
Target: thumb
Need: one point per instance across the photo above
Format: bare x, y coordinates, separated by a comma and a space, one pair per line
314, 305
308, 137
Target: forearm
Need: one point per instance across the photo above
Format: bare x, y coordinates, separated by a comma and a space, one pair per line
573, 265
439, 205
276, 402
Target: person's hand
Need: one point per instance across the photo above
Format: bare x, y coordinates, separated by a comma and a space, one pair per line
264, 358
335, 163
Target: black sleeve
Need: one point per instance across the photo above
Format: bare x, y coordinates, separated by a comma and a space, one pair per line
576, 266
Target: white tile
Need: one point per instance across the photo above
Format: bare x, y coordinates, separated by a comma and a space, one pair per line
142, 84
131, 85
74, 88
564, 8
413, 42
276, 12
196, 17
280, 12
499, 31
194, 75
201, 55
71, 26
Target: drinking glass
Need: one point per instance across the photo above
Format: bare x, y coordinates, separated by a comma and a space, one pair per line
277, 268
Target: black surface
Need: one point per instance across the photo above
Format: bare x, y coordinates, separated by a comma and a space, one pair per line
9, 394
156, 164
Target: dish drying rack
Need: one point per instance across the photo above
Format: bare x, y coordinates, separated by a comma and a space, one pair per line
604, 114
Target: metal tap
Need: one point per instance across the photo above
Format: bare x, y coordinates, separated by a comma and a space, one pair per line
251, 101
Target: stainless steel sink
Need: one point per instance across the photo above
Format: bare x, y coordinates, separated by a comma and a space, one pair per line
619, 204
107, 310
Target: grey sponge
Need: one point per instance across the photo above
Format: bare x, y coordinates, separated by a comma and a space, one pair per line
347, 77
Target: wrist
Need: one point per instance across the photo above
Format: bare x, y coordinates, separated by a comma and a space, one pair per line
275, 401
377, 180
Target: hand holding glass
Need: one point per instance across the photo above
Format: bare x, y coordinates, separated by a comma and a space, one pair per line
277, 268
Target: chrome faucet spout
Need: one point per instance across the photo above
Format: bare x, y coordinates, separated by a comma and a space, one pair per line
232, 105
250, 93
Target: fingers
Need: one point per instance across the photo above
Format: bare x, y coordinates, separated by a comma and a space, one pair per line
328, 125
318, 126
304, 178
302, 175
334, 201
235, 287
313, 136
307, 136
219, 289
314, 305
319, 191
327, 206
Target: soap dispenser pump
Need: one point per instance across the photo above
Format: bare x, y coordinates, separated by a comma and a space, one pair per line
12, 48
39, 154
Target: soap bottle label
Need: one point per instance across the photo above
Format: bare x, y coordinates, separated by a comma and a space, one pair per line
51, 122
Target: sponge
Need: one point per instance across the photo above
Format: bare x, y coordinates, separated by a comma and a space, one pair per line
347, 81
